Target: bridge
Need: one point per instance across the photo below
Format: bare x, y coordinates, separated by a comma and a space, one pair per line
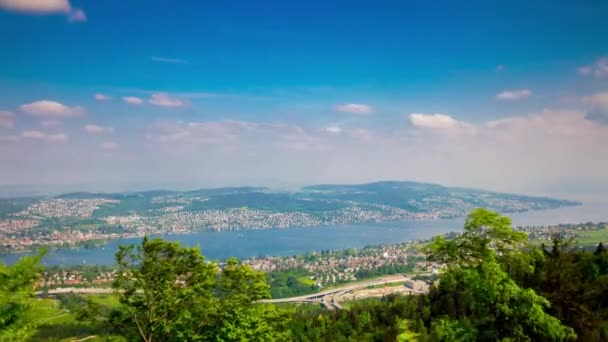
331, 298
328, 298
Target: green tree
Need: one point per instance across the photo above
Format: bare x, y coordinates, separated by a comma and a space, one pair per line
169, 293
485, 233
477, 287
17, 295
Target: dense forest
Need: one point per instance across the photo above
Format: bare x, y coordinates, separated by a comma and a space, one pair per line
495, 286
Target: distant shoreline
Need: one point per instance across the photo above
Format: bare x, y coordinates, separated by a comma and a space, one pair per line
97, 243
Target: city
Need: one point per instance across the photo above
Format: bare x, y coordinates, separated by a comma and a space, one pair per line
68, 222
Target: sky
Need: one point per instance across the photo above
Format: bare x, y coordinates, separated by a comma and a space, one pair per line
112, 95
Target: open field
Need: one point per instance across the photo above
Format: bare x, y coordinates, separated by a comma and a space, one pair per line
593, 237
57, 323
584, 238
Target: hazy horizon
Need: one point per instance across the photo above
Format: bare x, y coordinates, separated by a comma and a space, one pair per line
24, 190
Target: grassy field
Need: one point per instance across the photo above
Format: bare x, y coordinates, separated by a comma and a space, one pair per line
593, 237
381, 286
56, 323
306, 281
585, 238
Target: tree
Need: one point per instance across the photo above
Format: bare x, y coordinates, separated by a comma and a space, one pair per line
16, 295
485, 233
477, 288
169, 293
600, 249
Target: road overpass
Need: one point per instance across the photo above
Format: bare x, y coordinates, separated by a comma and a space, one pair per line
331, 298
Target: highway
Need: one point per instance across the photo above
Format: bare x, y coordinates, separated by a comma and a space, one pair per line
328, 298
331, 298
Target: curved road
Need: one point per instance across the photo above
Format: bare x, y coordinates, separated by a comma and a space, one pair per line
331, 298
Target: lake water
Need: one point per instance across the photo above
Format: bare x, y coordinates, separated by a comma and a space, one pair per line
293, 241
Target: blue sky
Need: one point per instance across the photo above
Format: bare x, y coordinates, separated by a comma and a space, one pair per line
195, 93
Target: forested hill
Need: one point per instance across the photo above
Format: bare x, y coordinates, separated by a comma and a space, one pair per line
384, 196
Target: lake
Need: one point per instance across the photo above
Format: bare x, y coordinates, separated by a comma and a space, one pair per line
293, 241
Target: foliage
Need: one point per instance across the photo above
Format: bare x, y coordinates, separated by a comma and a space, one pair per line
476, 297
288, 283
169, 293
576, 283
486, 234
16, 296
476, 288
367, 320
495, 305
10, 206
494, 287
388, 269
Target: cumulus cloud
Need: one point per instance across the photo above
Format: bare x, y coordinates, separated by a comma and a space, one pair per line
98, 130
44, 7
234, 133
108, 146
435, 121
511, 95
597, 107
597, 69
518, 154
51, 110
101, 97
7, 119
132, 100
169, 60
354, 108
38, 135
333, 129
165, 100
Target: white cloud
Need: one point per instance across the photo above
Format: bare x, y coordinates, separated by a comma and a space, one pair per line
38, 135
44, 7
599, 100
7, 119
584, 70
518, 154
57, 137
435, 121
510, 95
132, 100
169, 60
77, 15
354, 108
597, 69
33, 135
51, 109
102, 97
37, 6
165, 100
333, 129
597, 107
108, 146
98, 130
238, 134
